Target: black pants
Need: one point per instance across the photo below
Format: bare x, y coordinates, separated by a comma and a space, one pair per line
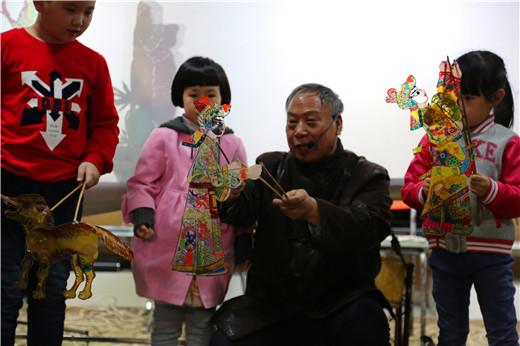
46, 316
362, 322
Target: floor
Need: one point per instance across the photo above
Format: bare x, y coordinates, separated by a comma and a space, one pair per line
106, 323
115, 311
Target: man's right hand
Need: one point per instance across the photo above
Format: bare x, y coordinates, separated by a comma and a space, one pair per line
298, 205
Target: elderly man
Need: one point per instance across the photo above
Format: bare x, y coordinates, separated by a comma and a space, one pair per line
316, 247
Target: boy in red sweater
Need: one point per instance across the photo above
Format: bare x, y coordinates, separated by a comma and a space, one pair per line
59, 127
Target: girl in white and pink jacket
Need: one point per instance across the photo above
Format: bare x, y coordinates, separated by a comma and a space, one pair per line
481, 259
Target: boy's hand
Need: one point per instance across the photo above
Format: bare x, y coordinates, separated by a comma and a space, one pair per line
88, 173
479, 184
144, 232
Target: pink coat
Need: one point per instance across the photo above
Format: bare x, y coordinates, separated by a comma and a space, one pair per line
160, 183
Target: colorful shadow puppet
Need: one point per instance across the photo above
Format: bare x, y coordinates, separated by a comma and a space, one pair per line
410, 97
199, 249
449, 152
47, 244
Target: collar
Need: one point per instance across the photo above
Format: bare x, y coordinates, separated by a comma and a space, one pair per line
485, 125
191, 125
182, 124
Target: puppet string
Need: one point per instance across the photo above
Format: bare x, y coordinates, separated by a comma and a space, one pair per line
260, 178
222, 151
8, 200
79, 200
265, 182
269, 186
273, 179
465, 130
467, 137
64, 198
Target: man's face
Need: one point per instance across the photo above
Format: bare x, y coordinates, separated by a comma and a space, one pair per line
307, 119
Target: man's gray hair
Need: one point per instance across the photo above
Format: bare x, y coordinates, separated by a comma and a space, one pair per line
326, 96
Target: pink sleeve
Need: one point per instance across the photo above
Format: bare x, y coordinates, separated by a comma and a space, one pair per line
142, 187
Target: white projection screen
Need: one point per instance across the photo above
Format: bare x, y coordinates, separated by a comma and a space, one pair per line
360, 49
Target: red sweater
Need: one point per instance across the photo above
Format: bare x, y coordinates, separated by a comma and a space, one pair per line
57, 108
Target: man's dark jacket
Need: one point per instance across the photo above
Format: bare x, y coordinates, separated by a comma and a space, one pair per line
294, 270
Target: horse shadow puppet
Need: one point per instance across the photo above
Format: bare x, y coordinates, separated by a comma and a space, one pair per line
49, 244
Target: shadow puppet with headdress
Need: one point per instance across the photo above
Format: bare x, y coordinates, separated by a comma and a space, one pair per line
199, 249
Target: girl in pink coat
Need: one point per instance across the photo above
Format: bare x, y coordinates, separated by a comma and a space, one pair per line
155, 203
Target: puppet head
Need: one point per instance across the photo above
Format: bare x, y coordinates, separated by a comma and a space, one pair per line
211, 117
30, 210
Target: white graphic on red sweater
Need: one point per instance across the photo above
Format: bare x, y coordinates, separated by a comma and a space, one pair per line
54, 102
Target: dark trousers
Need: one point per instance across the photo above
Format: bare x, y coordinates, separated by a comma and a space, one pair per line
453, 276
46, 316
362, 322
